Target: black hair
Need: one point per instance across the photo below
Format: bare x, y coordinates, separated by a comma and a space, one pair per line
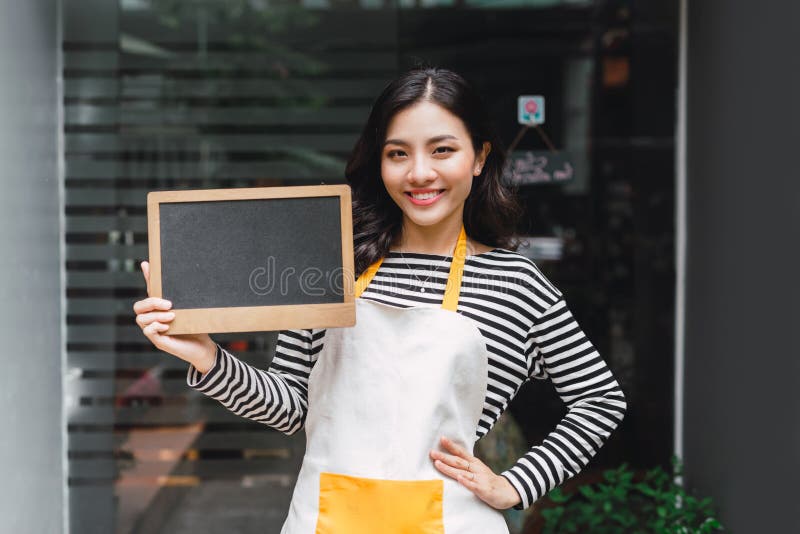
491, 210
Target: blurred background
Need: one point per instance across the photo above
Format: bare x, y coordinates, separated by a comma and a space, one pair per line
657, 193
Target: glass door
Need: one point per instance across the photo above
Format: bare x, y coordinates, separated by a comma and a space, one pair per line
172, 94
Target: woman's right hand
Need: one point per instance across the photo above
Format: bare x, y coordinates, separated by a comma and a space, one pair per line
153, 316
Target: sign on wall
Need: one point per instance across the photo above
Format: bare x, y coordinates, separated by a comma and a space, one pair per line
530, 167
530, 110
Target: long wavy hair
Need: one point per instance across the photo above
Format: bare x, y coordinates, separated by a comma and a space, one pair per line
491, 210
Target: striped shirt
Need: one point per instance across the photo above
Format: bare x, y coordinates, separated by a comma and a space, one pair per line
529, 333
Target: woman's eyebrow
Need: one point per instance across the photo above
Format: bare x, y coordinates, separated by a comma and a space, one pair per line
430, 141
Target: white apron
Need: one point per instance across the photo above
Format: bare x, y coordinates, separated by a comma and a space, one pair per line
379, 397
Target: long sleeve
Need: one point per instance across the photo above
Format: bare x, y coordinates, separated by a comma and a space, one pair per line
559, 350
277, 397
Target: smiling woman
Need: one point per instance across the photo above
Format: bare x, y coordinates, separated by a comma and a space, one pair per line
393, 406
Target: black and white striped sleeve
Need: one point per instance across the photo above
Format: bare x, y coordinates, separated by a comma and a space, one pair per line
559, 350
277, 397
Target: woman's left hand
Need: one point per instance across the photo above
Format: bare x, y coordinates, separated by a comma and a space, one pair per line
474, 475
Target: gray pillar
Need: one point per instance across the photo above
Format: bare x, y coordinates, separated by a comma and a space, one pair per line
32, 478
742, 407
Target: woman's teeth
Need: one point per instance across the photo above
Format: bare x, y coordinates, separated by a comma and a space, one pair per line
425, 196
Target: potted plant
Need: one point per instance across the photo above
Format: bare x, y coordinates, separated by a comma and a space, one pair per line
650, 502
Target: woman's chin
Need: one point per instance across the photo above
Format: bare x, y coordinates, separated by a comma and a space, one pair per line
430, 219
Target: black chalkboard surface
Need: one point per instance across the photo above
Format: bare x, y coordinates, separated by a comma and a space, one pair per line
252, 259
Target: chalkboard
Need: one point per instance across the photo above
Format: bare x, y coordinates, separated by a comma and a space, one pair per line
253, 259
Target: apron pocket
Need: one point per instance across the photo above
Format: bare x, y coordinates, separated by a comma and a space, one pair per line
355, 505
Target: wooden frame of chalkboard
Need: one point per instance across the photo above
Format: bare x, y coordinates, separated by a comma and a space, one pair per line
204, 243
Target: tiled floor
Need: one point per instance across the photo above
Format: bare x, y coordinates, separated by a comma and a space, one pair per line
228, 507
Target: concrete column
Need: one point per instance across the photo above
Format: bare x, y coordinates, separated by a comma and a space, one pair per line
742, 360
32, 478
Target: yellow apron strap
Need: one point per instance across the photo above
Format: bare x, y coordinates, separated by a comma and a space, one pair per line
453, 288
366, 277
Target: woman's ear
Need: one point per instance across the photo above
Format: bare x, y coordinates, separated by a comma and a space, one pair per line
480, 159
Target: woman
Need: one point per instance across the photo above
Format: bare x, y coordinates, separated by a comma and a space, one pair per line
450, 323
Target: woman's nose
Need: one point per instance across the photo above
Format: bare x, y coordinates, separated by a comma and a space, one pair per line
421, 170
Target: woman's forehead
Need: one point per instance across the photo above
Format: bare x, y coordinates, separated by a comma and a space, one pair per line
424, 121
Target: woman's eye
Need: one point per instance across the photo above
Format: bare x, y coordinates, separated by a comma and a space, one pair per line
442, 150
395, 153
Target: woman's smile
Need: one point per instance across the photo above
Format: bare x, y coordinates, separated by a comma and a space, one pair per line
424, 197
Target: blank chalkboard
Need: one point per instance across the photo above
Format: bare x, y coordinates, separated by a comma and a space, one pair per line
252, 259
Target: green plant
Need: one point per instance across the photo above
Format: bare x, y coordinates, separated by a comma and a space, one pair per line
652, 503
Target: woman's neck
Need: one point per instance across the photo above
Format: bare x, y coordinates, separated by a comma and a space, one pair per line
435, 239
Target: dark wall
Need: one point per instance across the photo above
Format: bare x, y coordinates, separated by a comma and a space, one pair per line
742, 426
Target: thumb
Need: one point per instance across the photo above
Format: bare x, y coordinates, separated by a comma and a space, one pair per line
146, 272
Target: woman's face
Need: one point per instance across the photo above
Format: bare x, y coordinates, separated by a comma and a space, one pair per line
428, 163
